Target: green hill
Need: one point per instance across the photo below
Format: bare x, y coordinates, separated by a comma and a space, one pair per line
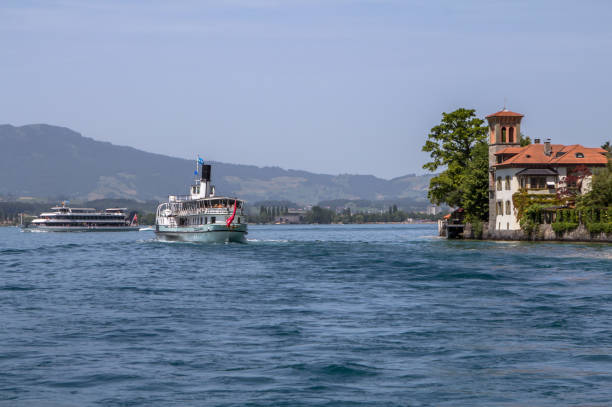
53, 162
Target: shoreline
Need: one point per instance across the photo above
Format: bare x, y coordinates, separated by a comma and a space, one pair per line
543, 233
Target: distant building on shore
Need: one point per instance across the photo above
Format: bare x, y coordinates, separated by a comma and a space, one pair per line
293, 216
433, 210
539, 168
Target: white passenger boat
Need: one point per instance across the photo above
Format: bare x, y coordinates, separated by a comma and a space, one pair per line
201, 216
65, 219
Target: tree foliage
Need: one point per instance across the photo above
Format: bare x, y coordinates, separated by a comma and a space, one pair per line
525, 140
452, 141
458, 143
319, 215
600, 195
476, 183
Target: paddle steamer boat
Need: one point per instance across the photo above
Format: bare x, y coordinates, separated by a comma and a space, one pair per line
201, 216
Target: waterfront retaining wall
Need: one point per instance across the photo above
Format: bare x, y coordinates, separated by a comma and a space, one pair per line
543, 232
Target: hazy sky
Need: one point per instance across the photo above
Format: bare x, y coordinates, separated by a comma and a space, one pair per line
334, 86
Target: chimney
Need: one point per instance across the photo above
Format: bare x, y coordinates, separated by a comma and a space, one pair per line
547, 148
205, 172
536, 141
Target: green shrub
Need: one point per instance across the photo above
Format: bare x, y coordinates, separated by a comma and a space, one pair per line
599, 227
477, 229
562, 227
528, 226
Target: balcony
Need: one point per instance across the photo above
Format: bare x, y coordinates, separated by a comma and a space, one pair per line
541, 191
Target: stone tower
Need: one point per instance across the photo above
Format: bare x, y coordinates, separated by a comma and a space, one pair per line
504, 131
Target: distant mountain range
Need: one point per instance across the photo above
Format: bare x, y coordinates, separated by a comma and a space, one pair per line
53, 162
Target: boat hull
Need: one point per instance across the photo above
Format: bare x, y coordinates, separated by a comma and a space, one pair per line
205, 234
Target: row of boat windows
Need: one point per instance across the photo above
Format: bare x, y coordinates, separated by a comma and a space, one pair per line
200, 220
210, 203
83, 217
81, 224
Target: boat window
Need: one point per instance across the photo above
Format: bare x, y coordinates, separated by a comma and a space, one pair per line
205, 220
213, 219
239, 219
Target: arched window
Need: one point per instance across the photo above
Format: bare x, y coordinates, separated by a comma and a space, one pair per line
499, 188
507, 185
508, 208
503, 140
511, 135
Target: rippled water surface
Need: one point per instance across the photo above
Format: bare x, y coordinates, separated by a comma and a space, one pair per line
377, 315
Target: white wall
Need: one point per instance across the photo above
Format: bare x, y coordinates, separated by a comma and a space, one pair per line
503, 221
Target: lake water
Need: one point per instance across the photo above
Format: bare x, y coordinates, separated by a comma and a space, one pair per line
376, 315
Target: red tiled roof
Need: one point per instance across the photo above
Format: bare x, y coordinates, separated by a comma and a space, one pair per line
505, 113
509, 150
533, 154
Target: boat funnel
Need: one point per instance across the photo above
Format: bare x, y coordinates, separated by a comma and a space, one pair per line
205, 172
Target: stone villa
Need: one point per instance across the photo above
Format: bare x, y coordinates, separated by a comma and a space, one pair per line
539, 168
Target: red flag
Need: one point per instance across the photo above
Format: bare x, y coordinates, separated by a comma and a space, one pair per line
231, 218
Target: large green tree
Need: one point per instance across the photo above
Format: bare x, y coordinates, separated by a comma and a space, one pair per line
458, 144
475, 186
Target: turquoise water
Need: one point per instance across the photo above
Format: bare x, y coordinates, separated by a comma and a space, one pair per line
377, 315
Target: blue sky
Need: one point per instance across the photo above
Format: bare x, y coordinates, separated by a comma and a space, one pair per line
345, 86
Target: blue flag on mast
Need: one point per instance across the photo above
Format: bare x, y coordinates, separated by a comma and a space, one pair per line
200, 161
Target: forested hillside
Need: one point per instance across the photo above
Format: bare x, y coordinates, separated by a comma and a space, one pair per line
56, 163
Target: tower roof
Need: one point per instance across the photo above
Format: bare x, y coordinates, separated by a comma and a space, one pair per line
505, 113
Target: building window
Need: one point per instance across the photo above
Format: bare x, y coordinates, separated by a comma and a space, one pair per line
508, 212
507, 181
503, 138
579, 155
500, 208
499, 188
523, 182
511, 135
537, 182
